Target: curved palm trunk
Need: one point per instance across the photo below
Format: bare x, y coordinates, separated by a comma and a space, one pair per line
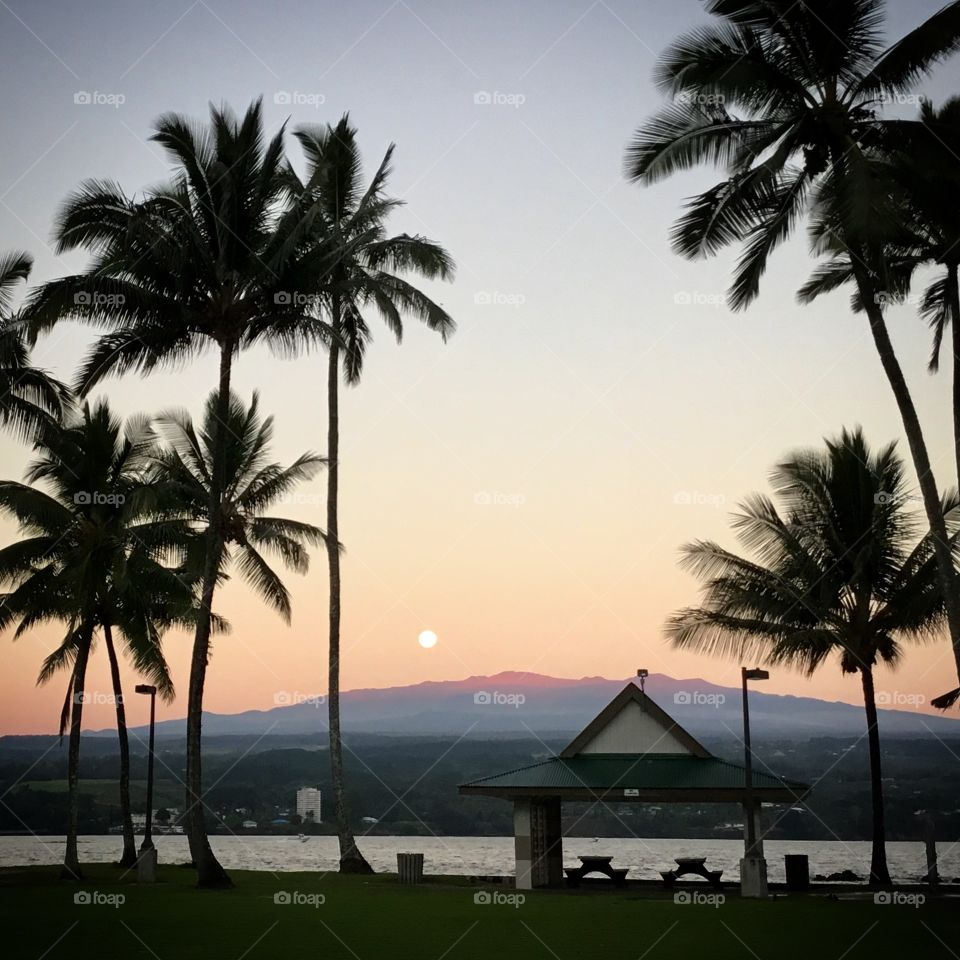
129, 856
879, 873
209, 871
351, 859
71, 859
949, 581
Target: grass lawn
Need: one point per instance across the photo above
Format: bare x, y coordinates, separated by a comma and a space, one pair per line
370, 918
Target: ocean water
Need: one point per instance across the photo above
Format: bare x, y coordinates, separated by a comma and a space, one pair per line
492, 856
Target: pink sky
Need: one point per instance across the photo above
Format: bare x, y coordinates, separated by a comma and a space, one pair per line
523, 490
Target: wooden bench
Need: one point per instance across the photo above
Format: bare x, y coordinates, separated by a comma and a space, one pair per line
691, 865
595, 865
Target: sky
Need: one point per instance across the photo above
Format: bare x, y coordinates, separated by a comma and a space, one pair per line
522, 490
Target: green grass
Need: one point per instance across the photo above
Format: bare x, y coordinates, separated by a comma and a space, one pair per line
375, 917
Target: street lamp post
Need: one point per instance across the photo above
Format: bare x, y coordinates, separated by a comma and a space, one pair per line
753, 866
147, 860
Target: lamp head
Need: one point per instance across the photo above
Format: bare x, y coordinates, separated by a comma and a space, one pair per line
145, 688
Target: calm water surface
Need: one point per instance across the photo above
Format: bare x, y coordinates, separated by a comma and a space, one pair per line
493, 855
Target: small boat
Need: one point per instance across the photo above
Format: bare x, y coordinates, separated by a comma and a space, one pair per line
303, 838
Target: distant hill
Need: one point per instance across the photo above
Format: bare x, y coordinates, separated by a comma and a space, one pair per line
513, 704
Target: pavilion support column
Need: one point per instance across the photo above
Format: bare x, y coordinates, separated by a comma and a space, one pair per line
523, 843
538, 843
753, 866
553, 842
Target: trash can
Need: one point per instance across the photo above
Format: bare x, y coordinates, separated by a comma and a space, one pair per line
798, 871
410, 867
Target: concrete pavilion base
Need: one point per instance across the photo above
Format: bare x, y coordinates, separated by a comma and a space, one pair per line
753, 877
147, 865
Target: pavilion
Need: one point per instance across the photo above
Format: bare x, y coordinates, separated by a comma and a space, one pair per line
632, 751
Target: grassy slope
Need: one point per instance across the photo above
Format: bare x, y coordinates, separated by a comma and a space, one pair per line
375, 917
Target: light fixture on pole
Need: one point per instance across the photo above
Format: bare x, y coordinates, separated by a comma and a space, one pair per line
642, 676
147, 858
753, 866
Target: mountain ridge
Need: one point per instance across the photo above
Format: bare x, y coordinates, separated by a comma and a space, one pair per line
521, 703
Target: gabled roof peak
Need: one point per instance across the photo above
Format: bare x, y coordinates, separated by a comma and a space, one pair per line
631, 723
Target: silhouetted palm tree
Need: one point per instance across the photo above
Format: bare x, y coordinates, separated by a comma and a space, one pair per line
922, 173
196, 264
786, 96
29, 397
254, 485
90, 556
366, 273
837, 571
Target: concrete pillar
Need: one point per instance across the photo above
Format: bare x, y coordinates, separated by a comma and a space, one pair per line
147, 865
554, 843
538, 843
522, 844
753, 866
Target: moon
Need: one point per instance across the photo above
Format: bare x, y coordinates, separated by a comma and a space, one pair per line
427, 639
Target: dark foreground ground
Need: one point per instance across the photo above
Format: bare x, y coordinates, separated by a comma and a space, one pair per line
328, 916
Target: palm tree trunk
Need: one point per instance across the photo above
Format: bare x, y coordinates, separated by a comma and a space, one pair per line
209, 871
949, 582
879, 873
351, 859
953, 295
129, 856
71, 858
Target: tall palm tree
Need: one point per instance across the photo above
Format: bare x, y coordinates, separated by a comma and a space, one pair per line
195, 264
837, 572
29, 397
786, 97
367, 271
90, 556
254, 485
144, 599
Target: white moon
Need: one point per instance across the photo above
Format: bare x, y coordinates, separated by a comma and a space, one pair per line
427, 639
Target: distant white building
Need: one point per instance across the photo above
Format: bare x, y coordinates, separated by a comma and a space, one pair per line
308, 804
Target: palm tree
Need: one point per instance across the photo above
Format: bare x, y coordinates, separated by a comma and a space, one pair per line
923, 180
91, 557
254, 484
786, 96
29, 397
837, 572
367, 271
195, 264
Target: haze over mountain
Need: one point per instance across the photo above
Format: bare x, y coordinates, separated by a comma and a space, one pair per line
523, 704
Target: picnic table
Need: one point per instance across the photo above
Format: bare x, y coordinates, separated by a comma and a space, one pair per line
596, 865
696, 866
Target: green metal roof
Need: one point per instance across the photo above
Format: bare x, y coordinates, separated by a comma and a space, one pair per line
652, 776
